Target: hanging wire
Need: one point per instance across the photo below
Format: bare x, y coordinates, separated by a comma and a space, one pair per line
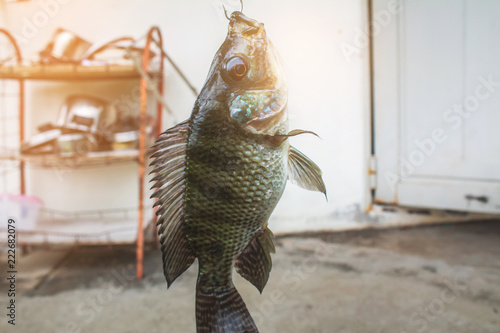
177, 69
151, 86
172, 63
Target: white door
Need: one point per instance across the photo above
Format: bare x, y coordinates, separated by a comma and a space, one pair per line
437, 103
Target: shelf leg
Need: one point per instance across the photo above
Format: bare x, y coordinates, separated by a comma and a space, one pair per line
159, 121
22, 180
142, 143
141, 169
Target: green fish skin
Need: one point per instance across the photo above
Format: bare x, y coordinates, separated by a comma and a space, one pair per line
220, 174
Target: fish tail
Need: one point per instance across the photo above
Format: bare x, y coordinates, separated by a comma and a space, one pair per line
222, 310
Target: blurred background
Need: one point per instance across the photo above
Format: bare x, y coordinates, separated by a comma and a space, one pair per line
404, 95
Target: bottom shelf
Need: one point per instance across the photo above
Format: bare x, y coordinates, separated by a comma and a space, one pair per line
82, 232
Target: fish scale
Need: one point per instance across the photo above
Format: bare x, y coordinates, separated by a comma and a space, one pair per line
223, 205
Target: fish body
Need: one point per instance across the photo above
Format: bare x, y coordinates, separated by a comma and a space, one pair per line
220, 174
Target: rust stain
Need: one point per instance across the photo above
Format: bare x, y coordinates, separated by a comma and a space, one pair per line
369, 208
382, 202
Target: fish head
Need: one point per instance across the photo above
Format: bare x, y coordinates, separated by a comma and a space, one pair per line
251, 77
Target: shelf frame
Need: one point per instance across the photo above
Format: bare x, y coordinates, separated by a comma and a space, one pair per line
74, 72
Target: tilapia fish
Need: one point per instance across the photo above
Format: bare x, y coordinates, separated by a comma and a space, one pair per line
220, 174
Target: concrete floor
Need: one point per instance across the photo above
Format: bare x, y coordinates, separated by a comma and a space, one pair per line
427, 279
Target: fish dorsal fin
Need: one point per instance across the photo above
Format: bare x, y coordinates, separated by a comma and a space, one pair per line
170, 184
254, 263
304, 172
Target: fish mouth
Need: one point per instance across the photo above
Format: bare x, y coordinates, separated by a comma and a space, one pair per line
245, 26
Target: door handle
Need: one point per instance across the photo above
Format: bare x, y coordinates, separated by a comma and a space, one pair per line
483, 199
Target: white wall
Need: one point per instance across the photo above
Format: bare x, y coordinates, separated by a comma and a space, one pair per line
328, 93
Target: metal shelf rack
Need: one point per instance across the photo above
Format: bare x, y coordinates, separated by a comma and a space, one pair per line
75, 72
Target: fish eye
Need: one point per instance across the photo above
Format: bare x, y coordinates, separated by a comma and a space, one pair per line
236, 68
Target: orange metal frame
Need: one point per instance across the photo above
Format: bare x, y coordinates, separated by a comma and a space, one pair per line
19, 60
142, 138
154, 35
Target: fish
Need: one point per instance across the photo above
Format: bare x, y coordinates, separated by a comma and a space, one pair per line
219, 175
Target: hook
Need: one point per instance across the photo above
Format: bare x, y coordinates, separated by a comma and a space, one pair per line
225, 12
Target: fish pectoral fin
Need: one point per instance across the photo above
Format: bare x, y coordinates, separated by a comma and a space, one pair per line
296, 132
170, 184
278, 139
304, 172
254, 263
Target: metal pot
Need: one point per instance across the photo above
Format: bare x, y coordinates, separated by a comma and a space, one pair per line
125, 140
65, 46
41, 143
81, 113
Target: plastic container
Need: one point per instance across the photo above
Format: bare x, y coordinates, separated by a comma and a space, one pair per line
22, 208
